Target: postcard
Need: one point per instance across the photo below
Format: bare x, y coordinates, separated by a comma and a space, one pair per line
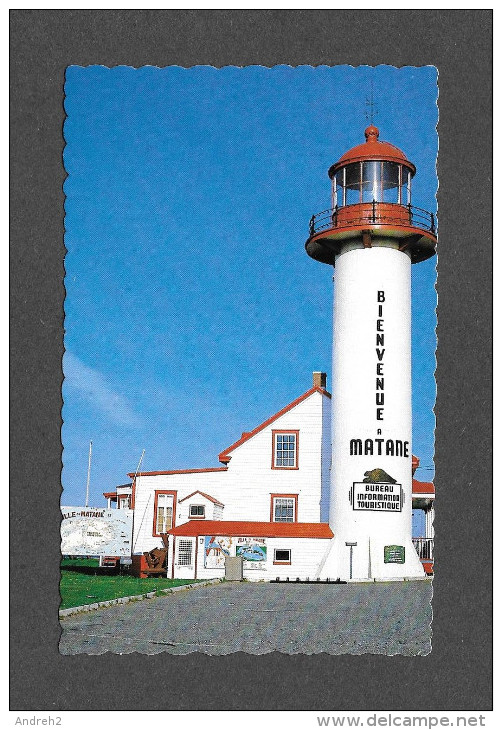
249, 371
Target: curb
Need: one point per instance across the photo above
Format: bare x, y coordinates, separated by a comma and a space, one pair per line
64, 612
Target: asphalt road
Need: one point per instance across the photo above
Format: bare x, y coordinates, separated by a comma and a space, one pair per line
375, 618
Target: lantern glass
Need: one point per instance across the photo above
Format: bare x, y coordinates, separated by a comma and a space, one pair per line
353, 184
372, 181
390, 182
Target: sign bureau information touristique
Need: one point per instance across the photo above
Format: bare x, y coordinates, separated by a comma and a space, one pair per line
377, 496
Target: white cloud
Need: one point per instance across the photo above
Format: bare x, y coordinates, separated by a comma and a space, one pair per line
93, 387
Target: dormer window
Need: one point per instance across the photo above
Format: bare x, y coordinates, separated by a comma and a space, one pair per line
285, 449
196, 508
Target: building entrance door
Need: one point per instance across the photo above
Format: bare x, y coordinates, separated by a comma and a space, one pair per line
184, 559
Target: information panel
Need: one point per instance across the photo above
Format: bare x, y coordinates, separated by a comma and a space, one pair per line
393, 554
96, 531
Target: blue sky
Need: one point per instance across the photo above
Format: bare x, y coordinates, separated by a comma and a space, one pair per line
193, 312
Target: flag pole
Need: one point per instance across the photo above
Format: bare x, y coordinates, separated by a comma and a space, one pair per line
88, 476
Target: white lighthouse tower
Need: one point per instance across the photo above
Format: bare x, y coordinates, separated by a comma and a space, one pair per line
372, 235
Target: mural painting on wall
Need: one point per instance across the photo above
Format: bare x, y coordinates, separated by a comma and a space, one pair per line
253, 550
216, 549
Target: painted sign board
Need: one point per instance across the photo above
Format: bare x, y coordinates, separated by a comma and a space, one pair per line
377, 496
253, 550
96, 531
393, 554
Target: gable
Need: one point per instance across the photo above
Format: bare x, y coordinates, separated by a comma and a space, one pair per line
198, 494
226, 455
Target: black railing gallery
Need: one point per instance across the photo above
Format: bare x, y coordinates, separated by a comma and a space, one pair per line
376, 213
424, 547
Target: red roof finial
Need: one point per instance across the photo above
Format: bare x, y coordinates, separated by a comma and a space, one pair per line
371, 133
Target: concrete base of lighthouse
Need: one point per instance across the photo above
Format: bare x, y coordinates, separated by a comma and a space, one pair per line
363, 560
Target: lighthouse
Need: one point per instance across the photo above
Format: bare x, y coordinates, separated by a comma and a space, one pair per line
371, 235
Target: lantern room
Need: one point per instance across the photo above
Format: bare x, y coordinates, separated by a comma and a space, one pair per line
372, 205
374, 171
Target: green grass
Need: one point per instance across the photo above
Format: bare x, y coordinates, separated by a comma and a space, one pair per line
79, 589
80, 562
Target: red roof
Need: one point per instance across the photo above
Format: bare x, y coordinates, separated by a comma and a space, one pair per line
203, 494
177, 471
372, 149
253, 529
224, 456
110, 495
423, 487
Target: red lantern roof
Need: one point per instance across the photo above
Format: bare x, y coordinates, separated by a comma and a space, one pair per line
372, 149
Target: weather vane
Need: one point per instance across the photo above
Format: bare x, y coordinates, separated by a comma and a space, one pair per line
371, 110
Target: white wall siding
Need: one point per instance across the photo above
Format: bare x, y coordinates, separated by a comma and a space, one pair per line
325, 458
252, 477
245, 488
306, 555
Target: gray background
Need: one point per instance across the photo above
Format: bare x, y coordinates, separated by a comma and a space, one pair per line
457, 675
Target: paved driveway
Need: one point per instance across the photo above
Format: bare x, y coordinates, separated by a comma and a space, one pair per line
377, 618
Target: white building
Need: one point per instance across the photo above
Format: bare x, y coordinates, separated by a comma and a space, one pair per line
268, 503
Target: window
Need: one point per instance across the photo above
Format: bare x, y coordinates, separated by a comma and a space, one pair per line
352, 184
285, 449
163, 512
184, 552
372, 180
123, 502
197, 511
282, 557
391, 176
283, 507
